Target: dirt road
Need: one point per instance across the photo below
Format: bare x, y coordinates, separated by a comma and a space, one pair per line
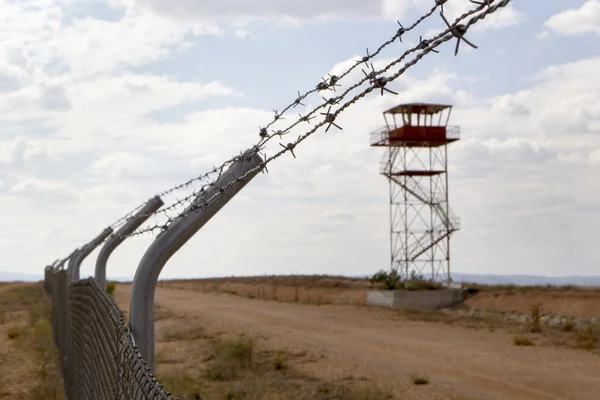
355, 341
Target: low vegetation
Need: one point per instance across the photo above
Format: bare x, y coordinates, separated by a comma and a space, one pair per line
536, 312
419, 379
241, 367
177, 333
392, 280
587, 339
522, 341
29, 368
111, 287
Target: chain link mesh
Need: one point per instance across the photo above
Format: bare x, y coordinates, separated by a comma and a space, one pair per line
97, 355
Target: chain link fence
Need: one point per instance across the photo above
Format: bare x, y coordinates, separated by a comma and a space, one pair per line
98, 358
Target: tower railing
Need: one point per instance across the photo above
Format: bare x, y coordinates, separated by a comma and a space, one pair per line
381, 136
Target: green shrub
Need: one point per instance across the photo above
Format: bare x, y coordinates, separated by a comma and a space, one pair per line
110, 288
390, 279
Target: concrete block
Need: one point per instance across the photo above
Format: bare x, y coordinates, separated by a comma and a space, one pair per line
417, 299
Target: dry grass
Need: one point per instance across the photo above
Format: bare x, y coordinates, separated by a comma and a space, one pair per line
419, 379
13, 331
536, 312
587, 339
522, 341
29, 367
161, 313
176, 333
533, 288
243, 367
316, 290
577, 303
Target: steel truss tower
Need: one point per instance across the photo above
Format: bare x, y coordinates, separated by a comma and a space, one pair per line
416, 165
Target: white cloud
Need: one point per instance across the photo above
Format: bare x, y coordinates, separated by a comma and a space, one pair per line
231, 11
33, 186
90, 46
396, 9
543, 35
10, 150
504, 17
585, 19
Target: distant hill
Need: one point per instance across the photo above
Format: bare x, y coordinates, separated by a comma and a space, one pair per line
522, 280
527, 280
484, 279
19, 277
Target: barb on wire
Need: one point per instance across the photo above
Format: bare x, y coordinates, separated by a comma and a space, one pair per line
364, 59
332, 101
424, 44
380, 83
306, 118
378, 80
323, 85
290, 147
298, 100
401, 31
458, 31
330, 120
371, 75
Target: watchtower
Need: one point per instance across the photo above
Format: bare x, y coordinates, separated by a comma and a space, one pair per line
416, 137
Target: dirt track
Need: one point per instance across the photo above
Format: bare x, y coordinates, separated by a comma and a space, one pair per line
365, 342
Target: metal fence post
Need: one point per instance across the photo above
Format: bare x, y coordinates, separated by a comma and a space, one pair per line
61, 264
77, 259
141, 306
48, 271
119, 236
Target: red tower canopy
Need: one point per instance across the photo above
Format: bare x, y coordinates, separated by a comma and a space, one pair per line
416, 125
417, 108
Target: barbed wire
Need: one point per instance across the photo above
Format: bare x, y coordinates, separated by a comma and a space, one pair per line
376, 82
265, 137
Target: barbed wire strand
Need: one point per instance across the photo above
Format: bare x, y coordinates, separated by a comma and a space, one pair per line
323, 85
187, 200
456, 30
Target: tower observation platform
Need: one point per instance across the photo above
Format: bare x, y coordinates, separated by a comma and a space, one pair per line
415, 162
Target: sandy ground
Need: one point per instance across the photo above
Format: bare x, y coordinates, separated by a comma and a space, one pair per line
356, 341
574, 304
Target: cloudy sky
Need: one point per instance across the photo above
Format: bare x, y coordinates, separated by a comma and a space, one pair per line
105, 102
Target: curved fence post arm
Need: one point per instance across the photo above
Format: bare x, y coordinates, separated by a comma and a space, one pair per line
168, 242
120, 235
61, 263
75, 262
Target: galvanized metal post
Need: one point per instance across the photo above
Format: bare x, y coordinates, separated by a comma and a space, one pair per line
141, 306
47, 276
61, 263
69, 261
119, 236
77, 259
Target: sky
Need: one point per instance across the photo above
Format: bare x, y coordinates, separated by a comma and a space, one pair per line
104, 103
